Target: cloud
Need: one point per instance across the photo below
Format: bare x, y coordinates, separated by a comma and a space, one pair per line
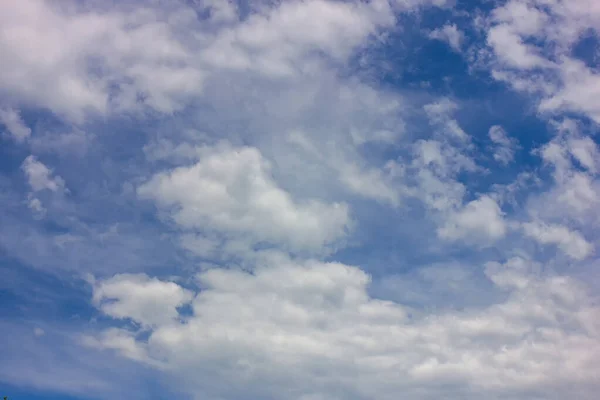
282, 42
35, 205
15, 125
230, 191
276, 333
571, 157
149, 302
505, 146
78, 62
450, 34
479, 219
440, 113
124, 60
288, 200
41, 177
533, 40
570, 242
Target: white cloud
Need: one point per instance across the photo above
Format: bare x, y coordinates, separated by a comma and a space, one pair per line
283, 41
78, 60
504, 151
308, 145
147, 301
15, 125
479, 219
510, 48
299, 331
41, 177
570, 242
576, 190
91, 61
450, 34
231, 191
533, 41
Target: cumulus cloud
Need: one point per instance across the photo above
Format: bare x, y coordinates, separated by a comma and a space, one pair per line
480, 218
123, 59
284, 325
230, 191
252, 172
145, 300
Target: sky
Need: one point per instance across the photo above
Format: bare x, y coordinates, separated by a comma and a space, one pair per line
300, 199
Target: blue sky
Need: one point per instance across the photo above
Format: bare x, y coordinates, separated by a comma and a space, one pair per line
299, 200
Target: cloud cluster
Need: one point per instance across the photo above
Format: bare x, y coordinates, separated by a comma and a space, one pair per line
258, 218
533, 44
229, 191
278, 332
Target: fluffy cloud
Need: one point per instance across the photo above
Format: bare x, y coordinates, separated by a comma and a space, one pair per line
73, 61
230, 191
280, 331
481, 218
279, 144
79, 61
149, 302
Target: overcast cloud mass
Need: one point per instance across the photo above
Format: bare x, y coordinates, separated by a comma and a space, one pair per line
300, 199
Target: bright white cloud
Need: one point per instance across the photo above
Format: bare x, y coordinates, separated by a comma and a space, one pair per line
270, 150
145, 300
308, 330
77, 62
231, 191
479, 219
